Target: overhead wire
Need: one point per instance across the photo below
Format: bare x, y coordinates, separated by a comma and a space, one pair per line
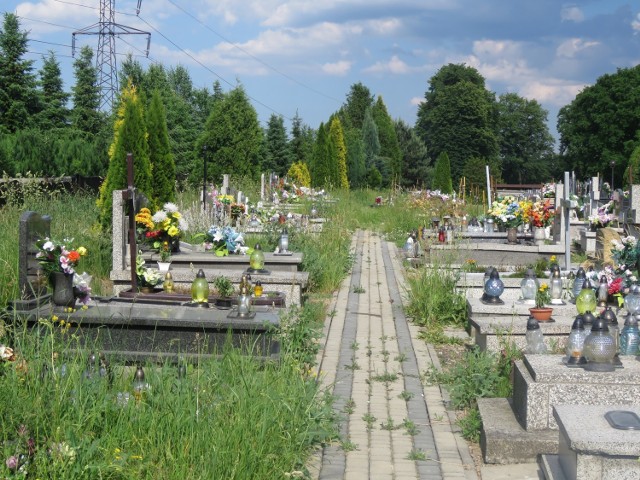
235, 45
209, 69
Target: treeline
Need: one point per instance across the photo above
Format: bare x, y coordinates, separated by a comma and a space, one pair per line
460, 127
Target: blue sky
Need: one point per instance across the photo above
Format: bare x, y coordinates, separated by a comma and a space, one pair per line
304, 55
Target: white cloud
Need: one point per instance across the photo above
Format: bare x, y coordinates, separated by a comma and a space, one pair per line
55, 13
416, 101
394, 65
551, 91
386, 26
635, 24
340, 68
572, 14
569, 48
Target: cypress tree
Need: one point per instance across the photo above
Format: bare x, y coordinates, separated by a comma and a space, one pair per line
130, 137
321, 166
162, 164
340, 150
442, 174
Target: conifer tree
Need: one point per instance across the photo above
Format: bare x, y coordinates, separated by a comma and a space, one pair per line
321, 165
86, 94
442, 174
277, 156
233, 138
18, 96
163, 167
130, 136
340, 151
53, 98
389, 147
299, 174
370, 139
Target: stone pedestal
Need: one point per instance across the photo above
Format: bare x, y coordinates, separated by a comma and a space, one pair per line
491, 325
543, 381
128, 331
588, 241
593, 450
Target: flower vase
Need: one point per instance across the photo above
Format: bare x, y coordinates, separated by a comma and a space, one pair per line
542, 314
512, 235
63, 295
175, 245
539, 235
163, 267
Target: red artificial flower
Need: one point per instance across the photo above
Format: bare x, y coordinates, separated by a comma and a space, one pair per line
615, 286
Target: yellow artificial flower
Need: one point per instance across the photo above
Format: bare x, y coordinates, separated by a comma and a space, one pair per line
173, 231
82, 251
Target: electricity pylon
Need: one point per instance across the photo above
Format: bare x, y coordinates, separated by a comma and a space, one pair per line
107, 30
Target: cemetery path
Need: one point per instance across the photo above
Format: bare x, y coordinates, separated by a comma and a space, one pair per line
394, 427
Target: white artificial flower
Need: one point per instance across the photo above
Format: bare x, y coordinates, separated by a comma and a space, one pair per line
170, 207
159, 217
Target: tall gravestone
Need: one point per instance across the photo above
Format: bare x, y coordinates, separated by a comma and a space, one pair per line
32, 283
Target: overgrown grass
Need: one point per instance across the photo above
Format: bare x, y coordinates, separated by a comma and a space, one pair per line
230, 418
433, 301
477, 374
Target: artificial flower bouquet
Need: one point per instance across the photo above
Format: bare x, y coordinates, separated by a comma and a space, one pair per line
224, 240
147, 277
603, 217
55, 256
541, 214
162, 230
61, 257
508, 211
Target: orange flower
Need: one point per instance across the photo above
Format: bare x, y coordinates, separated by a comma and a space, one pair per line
73, 256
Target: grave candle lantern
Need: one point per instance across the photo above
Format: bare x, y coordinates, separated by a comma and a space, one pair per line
244, 301
632, 300
612, 323
586, 299
140, 386
200, 289
283, 245
535, 339
493, 289
599, 348
581, 276
575, 343
603, 292
529, 286
556, 288
629, 336
256, 261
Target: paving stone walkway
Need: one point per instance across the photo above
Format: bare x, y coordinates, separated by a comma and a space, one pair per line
372, 359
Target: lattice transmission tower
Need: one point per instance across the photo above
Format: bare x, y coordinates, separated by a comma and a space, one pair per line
107, 30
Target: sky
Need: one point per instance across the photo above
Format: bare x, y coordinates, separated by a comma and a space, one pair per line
304, 55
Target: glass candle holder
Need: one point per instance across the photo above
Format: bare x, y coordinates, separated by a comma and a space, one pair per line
599, 348
493, 289
575, 342
586, 299
581, 276
200, 288
535, 339
630, 336
529, 286
256, 260
556, 287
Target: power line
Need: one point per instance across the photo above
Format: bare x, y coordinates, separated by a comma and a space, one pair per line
271, 67
209, 69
